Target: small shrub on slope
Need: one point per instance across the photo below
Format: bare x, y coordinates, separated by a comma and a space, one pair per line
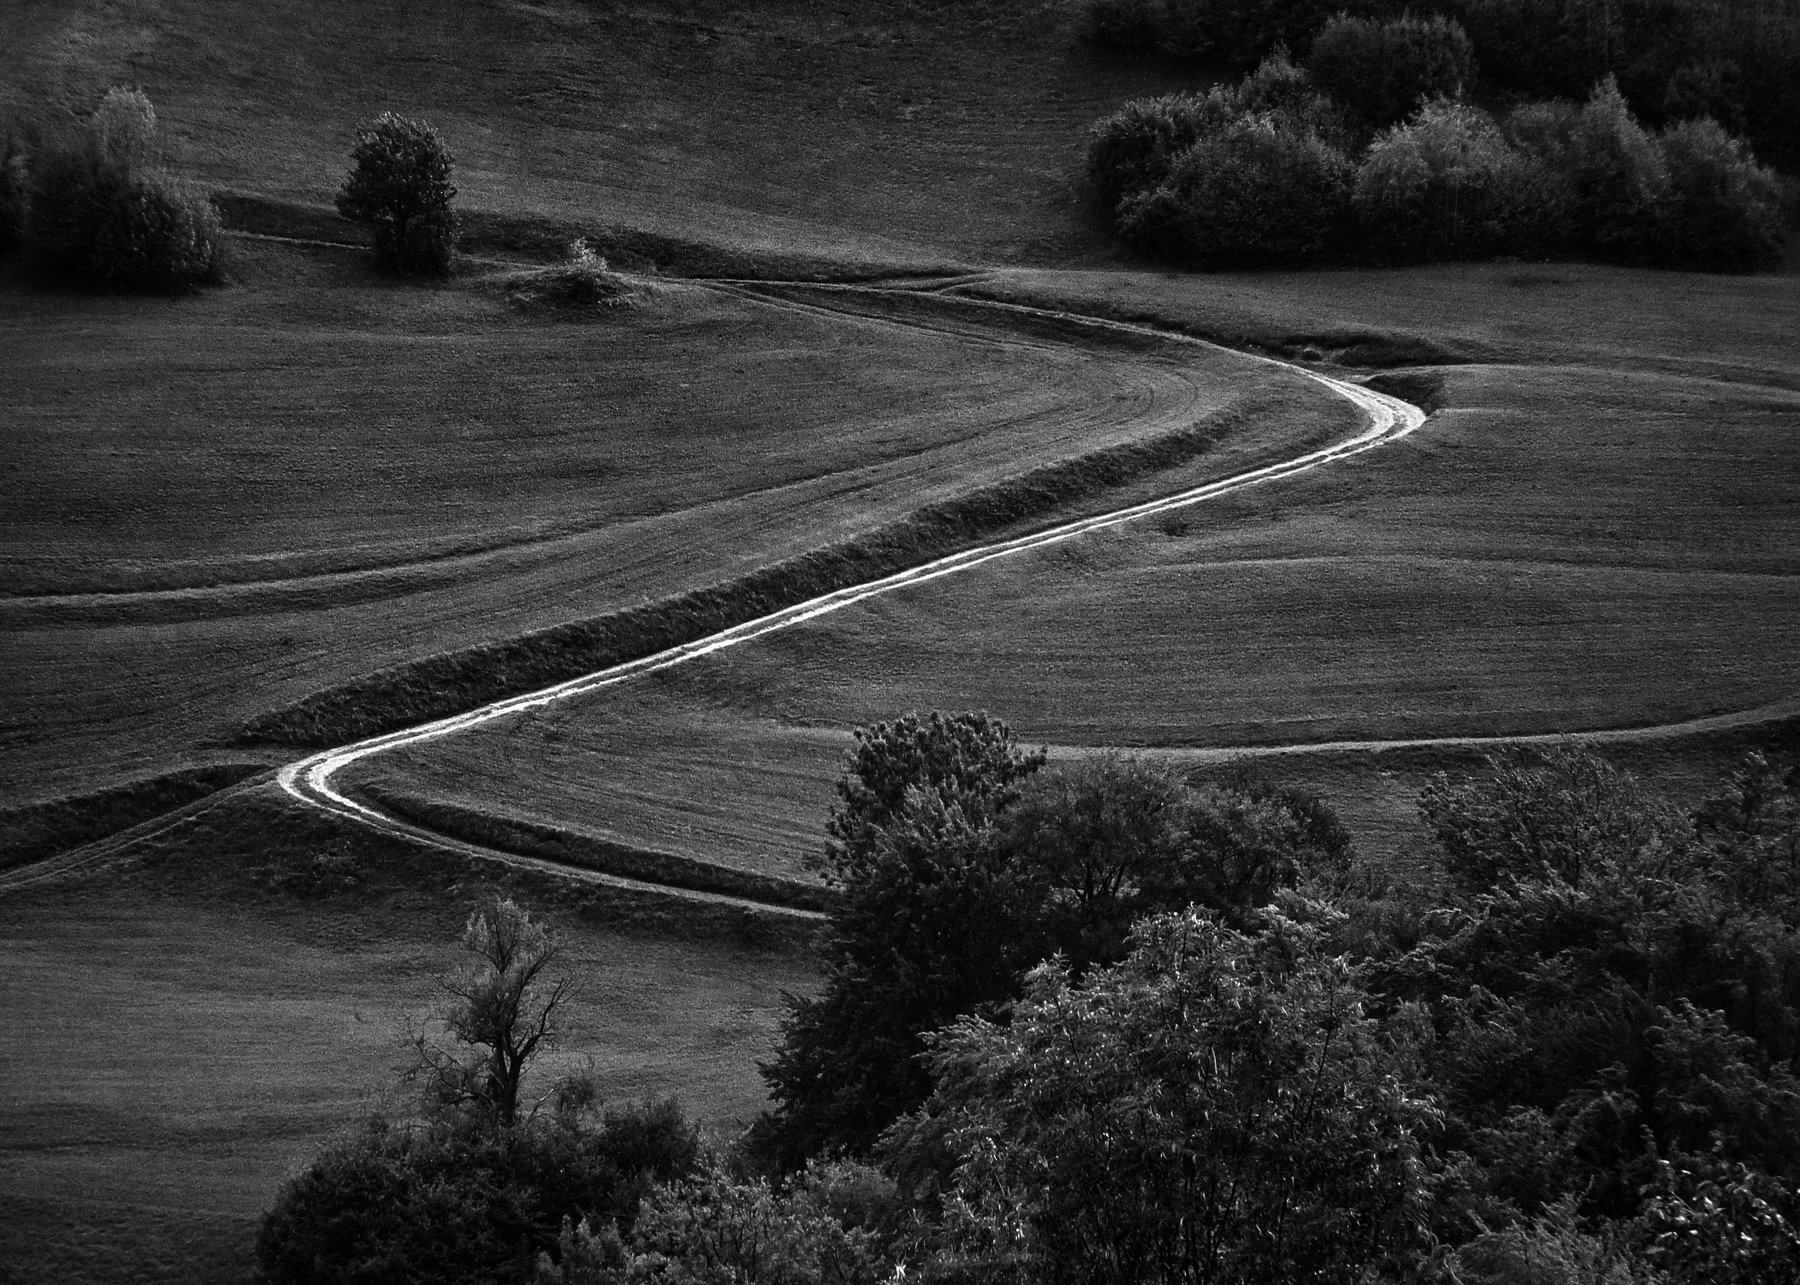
583, 281
400, 185
1382, 70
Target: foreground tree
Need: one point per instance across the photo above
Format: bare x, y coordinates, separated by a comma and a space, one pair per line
1215, 1108
506, 1011
962, 866
401, 187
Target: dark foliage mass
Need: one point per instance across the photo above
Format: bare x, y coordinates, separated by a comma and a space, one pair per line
400, 186
1278, 171
91, 202
962, 863
1099, 1023
465, 1205
1734, 61
1382, 69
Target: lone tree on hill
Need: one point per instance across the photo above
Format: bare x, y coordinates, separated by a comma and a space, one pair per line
401, 185
506, 1011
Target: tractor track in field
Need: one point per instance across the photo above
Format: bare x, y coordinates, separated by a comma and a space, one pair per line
309, 780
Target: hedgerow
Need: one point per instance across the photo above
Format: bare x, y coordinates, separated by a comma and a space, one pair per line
1261, 173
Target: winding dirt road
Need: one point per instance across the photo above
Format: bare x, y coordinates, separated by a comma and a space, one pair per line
310, 781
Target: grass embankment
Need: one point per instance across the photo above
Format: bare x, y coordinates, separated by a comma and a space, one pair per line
187, 1032
439, 686
39, 830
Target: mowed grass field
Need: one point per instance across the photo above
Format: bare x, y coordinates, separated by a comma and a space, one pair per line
221, 504
1562, 548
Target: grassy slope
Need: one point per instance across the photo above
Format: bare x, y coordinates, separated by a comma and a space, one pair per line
186, 1033
891, 128
299, 505
1562, 548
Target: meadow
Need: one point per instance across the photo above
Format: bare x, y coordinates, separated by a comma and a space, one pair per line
220, 504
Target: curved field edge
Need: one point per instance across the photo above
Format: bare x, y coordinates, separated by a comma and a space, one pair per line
451, 683
573, 847
38, 831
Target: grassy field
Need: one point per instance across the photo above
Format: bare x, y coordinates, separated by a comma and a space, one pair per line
887, 128
220, 504
1562, 548
238, 499
187, 1033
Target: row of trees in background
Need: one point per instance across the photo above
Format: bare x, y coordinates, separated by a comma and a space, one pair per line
1369, 148
1735, 61
94, 200
1097, 1023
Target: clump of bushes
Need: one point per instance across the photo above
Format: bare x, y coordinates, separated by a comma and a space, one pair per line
90, 203
400, 186
1383, 69
1446, 185
1258, 191
1255, 173
583, 281
1274, 171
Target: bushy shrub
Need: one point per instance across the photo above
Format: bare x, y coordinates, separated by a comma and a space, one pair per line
719, 1231
1722, 211
460, 1205
1383, 69
582, 281
1445, 185
1132, 149
400, 186
1256, 192
97, 208
159, 235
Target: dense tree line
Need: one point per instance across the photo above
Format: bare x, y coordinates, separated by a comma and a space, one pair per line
1096, 1022
1370, 148
1736, 62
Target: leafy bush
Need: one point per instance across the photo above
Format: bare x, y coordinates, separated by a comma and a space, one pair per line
1382, 69
97, 210
449, 1205
160, 234
582, 281
720, 1231
1257, 192
1217, 1107
400, 185
1131, 150
1722, 210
